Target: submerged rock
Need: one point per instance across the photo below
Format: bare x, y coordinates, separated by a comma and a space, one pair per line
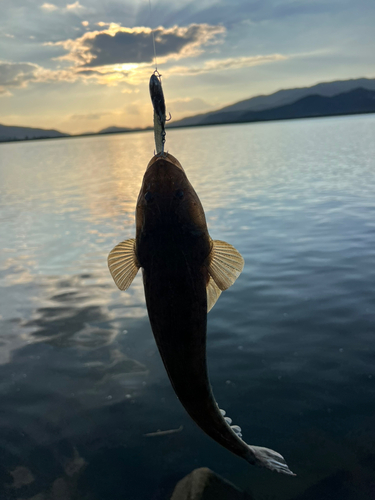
203, 484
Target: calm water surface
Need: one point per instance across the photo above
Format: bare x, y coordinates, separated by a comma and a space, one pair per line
290, 345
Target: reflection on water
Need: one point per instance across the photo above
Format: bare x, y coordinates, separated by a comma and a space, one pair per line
290, 345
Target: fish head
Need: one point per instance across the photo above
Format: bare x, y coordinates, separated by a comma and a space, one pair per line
167, 198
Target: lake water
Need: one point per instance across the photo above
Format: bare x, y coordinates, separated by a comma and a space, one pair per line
291, 346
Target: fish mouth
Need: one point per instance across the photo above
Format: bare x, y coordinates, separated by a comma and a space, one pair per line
164, 157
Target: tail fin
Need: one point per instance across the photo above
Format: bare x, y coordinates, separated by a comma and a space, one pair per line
270, 459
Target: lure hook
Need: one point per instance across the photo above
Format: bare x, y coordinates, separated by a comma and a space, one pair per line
158, 103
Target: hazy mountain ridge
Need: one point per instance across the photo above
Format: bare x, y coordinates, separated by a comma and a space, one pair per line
14, 133
356, 101
324, 99
277, 99
114, 130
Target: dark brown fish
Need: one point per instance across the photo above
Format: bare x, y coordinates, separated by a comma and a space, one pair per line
184, 273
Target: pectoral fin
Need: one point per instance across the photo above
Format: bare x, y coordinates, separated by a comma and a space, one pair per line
123, 264
213, 293
225, 264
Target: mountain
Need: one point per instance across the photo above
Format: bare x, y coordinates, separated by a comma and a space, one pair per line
280, 98
356, 101
323, 99
114, 130
117, 130
12, 133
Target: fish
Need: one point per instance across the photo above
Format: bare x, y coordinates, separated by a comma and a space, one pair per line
184, 273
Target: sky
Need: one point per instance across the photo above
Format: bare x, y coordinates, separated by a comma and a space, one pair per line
83, 66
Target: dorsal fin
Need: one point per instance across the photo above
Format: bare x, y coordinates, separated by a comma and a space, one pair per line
225, 264
123, 264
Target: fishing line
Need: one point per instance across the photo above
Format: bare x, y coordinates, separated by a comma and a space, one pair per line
157, 98
153, 38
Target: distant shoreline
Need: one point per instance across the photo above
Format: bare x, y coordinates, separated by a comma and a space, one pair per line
170, 127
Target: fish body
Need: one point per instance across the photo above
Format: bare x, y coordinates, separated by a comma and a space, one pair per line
184, 272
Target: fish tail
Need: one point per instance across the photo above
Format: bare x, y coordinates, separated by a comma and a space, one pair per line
264, 457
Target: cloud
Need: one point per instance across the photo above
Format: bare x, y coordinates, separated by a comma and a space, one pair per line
91, 116
70, 7
117, 45
49, 7
187, 104
116, 55
15, 75
75, 6
19, 75
225, 64
130, 90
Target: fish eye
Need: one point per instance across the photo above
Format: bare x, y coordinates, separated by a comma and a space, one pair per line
148, 196
179, 194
